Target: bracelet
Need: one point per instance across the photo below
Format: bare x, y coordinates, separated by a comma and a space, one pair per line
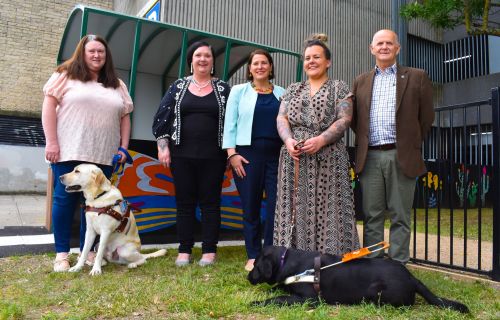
163, 136
234, 154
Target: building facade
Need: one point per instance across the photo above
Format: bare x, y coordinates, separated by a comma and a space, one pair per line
462, 68
30, 35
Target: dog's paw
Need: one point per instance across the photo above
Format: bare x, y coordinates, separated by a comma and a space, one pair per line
75, 268
95, 271
132, 265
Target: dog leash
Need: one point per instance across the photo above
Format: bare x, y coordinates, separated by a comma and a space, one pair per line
296, 172
296, 169
119, 168
312, 275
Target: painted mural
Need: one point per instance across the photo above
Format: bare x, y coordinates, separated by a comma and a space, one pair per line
149, 186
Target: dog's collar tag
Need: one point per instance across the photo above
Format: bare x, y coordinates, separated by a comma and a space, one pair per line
282, 258
123, 206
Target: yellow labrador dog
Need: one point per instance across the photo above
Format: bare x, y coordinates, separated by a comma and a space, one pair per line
108, 215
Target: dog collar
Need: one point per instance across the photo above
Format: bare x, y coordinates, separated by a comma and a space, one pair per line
282, 258
100, 195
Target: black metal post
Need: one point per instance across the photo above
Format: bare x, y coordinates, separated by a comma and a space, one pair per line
495, 108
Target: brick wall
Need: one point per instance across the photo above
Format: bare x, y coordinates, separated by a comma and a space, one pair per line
30, 35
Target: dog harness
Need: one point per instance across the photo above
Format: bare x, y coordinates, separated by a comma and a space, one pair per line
313, 275
115, 214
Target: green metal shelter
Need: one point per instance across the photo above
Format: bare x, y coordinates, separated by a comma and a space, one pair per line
149, 55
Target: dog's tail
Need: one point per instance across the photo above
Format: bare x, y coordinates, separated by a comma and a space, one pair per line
437, 301
155, 254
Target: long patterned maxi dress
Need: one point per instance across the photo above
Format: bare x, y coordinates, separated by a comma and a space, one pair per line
324, 219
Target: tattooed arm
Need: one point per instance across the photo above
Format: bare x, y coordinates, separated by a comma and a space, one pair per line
335, 131
285, 131
163, 152
282, 123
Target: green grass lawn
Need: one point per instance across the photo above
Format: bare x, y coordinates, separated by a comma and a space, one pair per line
159, 290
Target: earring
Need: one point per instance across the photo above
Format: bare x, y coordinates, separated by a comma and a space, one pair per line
191, 68
250, 76
212, 71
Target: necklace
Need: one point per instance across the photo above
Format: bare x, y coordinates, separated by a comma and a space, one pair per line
200, 86
263, 90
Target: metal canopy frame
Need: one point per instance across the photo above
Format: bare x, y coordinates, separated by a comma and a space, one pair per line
149, 55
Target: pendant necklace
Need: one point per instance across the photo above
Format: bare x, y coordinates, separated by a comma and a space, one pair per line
200, 86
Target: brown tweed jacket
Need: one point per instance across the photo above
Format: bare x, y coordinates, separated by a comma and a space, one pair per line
414, 117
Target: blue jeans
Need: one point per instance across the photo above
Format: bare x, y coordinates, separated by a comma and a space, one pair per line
65, 203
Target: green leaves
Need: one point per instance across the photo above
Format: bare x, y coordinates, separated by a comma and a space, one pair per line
448, 14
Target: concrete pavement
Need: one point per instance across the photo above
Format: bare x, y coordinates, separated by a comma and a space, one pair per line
23, 231
22, 210
22, 225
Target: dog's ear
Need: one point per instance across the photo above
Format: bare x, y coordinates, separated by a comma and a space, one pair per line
266, 269
101, 181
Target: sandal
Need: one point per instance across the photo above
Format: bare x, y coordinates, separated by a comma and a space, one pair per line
207, 259
183, 259
61, 263
91, 258
249, 265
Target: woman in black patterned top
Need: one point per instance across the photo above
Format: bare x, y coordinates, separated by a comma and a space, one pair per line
315, 210
188, 128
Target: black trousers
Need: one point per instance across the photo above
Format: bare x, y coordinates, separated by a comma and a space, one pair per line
198, 182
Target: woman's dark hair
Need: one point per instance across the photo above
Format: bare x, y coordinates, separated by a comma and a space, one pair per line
193, 47
269, 58
77, 69
319, 39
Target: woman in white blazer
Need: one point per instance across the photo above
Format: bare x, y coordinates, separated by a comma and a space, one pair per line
253, 146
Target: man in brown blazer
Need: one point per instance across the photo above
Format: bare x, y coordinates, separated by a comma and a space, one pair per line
392, 114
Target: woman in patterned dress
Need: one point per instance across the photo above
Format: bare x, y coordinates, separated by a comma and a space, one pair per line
315, 208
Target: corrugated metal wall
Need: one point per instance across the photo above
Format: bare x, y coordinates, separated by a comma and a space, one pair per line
287, 23
423, 29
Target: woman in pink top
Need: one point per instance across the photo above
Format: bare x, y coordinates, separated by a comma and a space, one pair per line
85, 119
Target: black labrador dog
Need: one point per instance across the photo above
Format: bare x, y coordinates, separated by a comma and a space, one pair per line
380, 281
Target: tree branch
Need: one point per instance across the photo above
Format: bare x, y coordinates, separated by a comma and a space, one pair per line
486, 12
467, 18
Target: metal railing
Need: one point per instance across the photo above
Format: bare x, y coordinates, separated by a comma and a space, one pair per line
456, 215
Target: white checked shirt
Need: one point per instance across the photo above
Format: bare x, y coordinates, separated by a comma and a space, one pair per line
383, 107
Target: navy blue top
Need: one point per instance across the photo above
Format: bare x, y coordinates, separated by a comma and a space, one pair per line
264, 117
